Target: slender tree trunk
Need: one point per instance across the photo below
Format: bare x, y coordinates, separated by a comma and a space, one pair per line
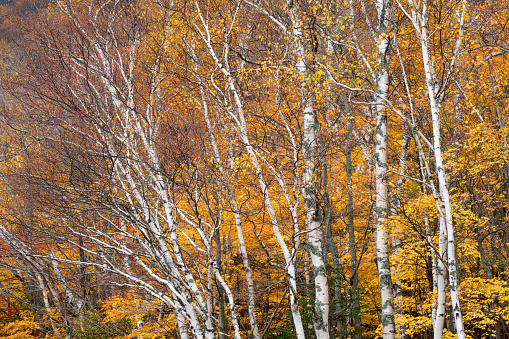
437, 272
382, 232
434, 273
396, 234
236, 113
47, 305
220, 292
419, 21
505, 174
255, 333
333, 249
238, 222
442, 184
441, 272
501, 123
438, 315
310, 151
354, 279
489, 274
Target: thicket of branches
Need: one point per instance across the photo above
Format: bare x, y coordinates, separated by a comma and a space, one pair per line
254, 169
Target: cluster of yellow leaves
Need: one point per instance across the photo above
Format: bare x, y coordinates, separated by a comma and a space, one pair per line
23, 328
138, 311
484, 302
413, 325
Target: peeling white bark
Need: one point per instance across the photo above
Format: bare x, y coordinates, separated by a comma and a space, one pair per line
237, 116
419, 21
382, 198
311, 150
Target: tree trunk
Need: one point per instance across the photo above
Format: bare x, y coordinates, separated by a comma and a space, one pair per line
431, 81
382, 232
354, 279
396, 234
220, 292
310, 152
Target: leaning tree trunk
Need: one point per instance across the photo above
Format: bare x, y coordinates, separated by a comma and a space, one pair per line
236, 113
433, 95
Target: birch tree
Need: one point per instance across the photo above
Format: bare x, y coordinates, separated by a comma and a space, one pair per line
311, 149
234, 108
123, 124
436, 91
382, 197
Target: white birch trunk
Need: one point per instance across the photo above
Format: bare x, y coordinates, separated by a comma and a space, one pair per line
47, 304
440, 257
438, 326
431, 80
73, 300
382, 198
181, 324
255, 332
237, 115
438, 273
396, 234
444, 191
310, 152
419, 21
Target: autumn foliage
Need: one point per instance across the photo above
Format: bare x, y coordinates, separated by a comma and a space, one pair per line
254, 169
